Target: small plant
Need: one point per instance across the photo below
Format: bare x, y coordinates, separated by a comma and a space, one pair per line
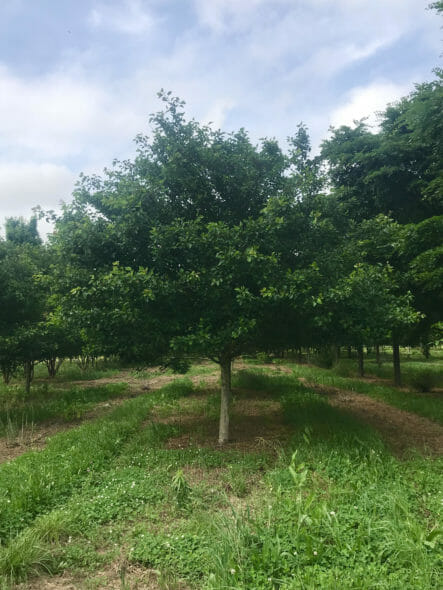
342, 369
325, 358
424, 380
263, 357
181, 488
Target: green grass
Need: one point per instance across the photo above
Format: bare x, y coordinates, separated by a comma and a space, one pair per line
348, 368
71, 371
45, 403
332, 508
424, 404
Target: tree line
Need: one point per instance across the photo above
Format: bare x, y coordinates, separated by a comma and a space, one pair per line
206, 244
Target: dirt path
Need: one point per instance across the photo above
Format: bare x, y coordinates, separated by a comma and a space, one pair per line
402, 430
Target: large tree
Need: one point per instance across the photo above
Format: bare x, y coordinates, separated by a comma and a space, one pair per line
397, 170
179, 252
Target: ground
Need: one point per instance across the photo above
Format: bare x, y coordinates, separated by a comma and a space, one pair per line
259, 428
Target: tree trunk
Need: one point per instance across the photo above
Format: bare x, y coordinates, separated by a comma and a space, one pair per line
225, 398
29, 374
7, 374
349, 352
53, 365
396, 361
361, 367
377, 354
337, 353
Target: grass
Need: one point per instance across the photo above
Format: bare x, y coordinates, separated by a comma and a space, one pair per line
17, 410
422, 404
72, 371
330, 508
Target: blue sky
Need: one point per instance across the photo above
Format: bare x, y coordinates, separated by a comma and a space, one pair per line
78, 78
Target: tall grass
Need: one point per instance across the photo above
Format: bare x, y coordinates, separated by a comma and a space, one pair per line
16, 408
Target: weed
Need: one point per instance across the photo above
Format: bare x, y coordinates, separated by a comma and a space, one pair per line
181, 488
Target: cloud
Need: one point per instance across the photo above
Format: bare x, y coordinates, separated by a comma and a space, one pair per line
262, 64
60, 115
366, 101
226, 15
24, 185
129, 18
217, 113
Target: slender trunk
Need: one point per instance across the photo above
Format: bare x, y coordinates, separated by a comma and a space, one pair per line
396, 361
29, 374
53, 365
377, 354
349, 352
225, 397
6, 375
337, 353
361, 368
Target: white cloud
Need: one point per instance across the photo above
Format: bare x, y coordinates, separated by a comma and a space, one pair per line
262, 64
130, 18
24, 185
218, 112
224, 15
61, 115
366, 101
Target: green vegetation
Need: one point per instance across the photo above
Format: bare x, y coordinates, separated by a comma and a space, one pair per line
17, 409
208, 246
331, 505
424, 405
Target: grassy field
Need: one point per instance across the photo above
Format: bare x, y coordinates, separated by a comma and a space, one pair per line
305, 496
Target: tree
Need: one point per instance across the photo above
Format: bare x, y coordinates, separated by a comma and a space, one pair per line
197, 267
19, 231
368, 308
397, 171
22, 306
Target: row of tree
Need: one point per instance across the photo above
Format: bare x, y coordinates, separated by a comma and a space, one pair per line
206, 244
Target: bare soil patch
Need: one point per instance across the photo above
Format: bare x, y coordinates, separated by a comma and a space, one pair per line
256, 424
116, 576
137, 384
403, 431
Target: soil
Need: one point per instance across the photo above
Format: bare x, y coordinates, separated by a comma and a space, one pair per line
256, 424
116, 576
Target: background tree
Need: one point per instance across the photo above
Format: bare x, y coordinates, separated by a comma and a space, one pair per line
22, 305
19, 231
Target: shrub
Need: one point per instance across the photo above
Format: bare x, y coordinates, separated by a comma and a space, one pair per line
424, 380
325, 358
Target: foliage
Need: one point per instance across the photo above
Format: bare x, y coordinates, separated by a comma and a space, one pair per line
423, 380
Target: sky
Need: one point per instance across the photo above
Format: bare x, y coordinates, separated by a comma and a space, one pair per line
79, 78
